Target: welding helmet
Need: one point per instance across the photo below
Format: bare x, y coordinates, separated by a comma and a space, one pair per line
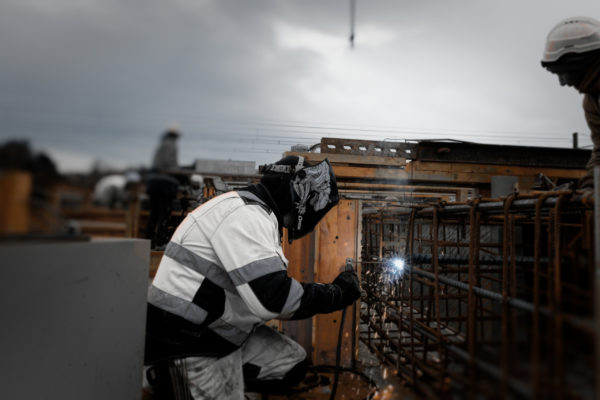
312, 192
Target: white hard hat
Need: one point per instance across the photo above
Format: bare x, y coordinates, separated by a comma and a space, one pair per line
572, 35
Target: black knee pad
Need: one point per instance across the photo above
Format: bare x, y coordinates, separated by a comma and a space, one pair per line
167, 381
295, 375
274, 386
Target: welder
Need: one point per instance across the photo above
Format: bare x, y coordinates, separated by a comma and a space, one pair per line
572, 52
223, 275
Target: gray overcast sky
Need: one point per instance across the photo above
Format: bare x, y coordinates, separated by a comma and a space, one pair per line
244, 80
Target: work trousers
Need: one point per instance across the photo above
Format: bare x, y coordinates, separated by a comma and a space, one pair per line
267, 359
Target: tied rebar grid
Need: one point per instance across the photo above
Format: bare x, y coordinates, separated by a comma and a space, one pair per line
495, 298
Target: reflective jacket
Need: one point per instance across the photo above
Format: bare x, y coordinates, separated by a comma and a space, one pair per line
591, 108
222, 275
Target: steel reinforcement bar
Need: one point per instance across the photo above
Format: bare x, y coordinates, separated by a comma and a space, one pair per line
493, 297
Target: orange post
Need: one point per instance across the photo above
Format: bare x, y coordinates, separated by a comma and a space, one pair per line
15, 192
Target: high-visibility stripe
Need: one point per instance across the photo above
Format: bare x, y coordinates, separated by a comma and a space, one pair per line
175, 305
229, 332
294, 299
177, 280
255, 305
192, 260
256, 269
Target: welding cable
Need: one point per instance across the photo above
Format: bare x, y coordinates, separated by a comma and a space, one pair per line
336, 367
365, 377
338, 353
338, 350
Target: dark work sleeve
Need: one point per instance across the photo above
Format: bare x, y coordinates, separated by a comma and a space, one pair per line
272, 290
319, 298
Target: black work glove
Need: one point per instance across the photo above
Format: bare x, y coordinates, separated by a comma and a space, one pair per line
348, 283
319, 298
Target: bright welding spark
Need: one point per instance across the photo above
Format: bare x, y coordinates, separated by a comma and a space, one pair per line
398, 263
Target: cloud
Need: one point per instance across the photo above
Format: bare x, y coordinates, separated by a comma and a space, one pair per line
105, 77
69, 160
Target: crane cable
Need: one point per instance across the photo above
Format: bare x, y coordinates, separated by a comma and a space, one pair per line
352, 17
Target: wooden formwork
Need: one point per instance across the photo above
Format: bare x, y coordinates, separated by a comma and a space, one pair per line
320, 257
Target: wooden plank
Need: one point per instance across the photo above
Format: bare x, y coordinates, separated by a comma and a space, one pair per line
344, 185
366, 147
133, 210
352, 159
336, 241
446, 173
344, 172
390, 168
102, 228
485, 169
301, 256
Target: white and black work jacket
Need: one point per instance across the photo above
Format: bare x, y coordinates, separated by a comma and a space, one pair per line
223, 274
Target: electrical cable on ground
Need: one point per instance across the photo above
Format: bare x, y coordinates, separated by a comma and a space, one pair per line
338, 352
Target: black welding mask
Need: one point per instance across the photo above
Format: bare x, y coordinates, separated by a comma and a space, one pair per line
313, 192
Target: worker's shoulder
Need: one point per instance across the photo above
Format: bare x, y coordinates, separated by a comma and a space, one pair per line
591, 103
231, 202
250, 198
222, 202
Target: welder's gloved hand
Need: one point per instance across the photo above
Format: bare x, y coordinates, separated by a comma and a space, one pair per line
350, 286
321, 298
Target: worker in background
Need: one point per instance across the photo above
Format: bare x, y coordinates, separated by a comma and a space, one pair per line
162, 188
572, 52
223, 275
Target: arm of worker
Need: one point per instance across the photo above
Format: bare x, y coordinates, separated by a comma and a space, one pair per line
319, 298
591, 108
247, 244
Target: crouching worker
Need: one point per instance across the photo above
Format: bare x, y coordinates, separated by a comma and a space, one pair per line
224, 274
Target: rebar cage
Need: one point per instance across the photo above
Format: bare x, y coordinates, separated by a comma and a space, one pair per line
495, 298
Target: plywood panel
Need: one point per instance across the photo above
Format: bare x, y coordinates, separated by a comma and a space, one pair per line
335, 242
301, 256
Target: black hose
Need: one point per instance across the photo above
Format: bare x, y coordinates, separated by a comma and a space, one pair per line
338, 353
328, 368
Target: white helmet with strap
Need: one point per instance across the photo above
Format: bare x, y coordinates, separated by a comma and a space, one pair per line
572, 35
